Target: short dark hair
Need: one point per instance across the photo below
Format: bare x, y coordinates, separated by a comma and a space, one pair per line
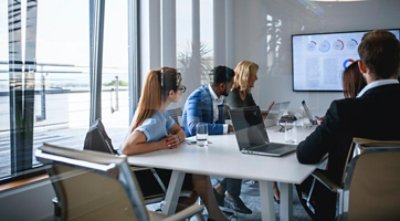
380, 52
222, 74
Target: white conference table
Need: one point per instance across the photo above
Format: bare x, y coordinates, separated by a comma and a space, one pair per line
223, 158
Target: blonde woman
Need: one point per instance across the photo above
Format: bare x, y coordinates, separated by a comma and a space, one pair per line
240, 96
153, 129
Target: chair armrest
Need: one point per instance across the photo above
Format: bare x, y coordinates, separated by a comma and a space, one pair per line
321, 177
138, 168
186, 213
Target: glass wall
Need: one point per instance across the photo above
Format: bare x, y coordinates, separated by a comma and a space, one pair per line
206, 38
194, 37
183, 33
62, 99
50, 77
115, 108
5, 168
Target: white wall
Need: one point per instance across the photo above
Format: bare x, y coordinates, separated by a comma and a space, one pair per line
254, 20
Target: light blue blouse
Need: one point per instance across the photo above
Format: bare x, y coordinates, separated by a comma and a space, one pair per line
157, 126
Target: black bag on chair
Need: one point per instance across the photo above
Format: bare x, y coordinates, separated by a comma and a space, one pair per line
97, 140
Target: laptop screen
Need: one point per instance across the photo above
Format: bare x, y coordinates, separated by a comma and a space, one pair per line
249, 127
308, 113
277, 110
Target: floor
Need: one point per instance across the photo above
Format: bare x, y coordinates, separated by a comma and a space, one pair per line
251, 197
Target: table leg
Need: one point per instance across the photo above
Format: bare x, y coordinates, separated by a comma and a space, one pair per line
286, 207
173, 192
267, 203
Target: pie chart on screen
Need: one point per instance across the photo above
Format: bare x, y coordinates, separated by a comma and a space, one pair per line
352, 44
324, 46
338, 45
311, 45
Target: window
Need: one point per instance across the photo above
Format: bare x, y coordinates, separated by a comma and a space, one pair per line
54, 49
115, 101
5, 151
62, 99
206, 38
194, 27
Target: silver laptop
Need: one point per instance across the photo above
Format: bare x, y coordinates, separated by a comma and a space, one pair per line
310, 117
252, 136
276, 112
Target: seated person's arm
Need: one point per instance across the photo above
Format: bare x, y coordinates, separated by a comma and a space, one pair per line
177, 133
315, 147
136, 144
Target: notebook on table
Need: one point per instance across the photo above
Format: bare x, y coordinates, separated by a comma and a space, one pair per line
251, 135
276, 112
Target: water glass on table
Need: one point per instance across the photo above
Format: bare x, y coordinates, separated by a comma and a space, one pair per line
290, 132
202, 134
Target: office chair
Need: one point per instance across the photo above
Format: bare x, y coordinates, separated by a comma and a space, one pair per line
370, 188
98, 186
153, 188
175, 113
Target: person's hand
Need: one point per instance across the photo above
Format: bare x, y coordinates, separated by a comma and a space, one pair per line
270, 106
230, 129
171, 141
320, 120
264, 114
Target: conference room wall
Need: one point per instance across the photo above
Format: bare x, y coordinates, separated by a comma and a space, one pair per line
262, 32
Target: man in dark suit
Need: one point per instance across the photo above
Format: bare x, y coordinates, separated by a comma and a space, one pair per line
373, 114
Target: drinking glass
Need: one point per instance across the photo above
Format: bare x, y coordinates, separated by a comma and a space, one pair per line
290, 132
202, 134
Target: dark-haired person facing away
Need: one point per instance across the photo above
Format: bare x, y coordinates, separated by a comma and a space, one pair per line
373, 114
153, 129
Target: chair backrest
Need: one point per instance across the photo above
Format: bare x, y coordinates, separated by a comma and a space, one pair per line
93, 186
373, 182
175, 113
97, 139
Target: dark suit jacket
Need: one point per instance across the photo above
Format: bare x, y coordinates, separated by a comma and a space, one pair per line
233, 100
199, 108
375, 115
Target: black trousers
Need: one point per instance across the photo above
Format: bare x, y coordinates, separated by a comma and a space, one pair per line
323, 200
233, 186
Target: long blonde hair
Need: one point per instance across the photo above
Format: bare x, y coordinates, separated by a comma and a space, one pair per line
243, 71
157, 85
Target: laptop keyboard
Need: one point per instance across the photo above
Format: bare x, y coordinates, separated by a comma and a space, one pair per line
269, 147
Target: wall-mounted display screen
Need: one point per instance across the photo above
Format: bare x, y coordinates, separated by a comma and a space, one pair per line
319, 59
